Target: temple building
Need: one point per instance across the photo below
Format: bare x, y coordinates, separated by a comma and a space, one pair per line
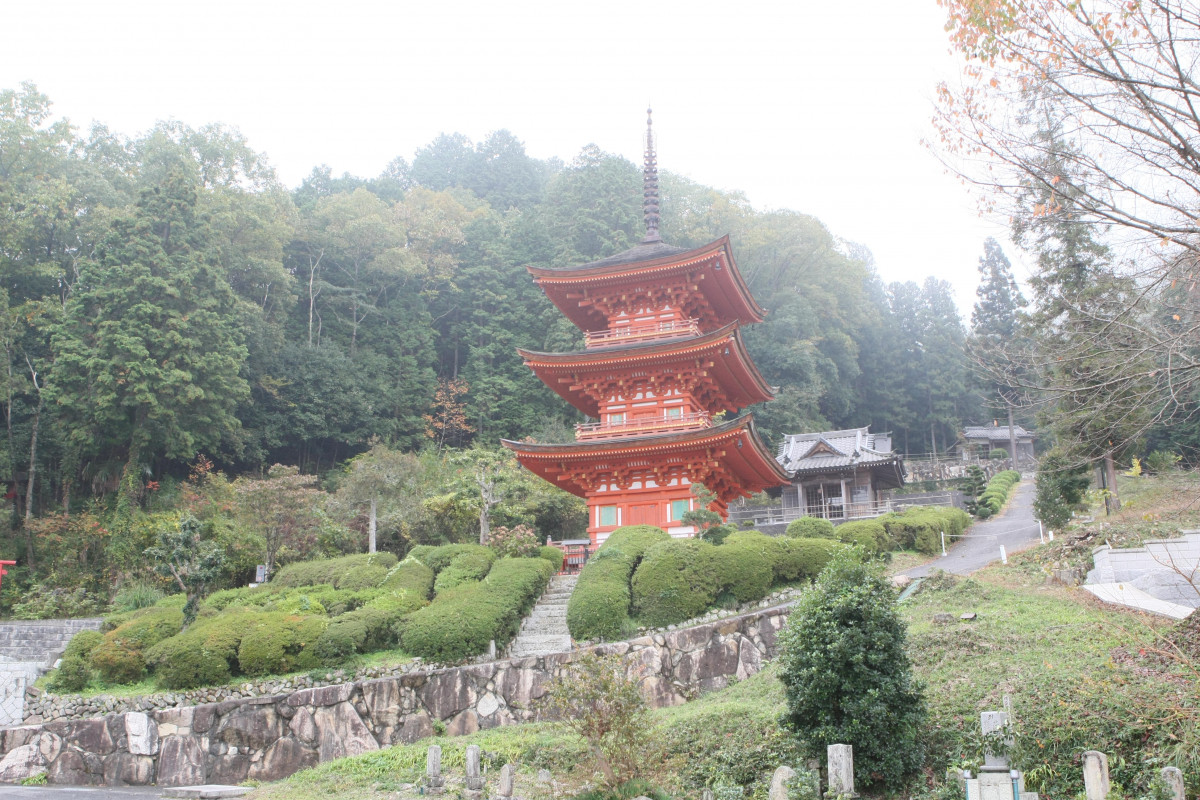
663, 360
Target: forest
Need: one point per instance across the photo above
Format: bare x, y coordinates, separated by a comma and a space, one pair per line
172, 316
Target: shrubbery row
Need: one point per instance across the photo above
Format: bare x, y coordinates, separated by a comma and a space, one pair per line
600, 605
996, 494
917, 528
641, 572
357, 604
463, 620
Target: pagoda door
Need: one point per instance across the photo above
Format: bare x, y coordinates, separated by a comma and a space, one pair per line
646, 514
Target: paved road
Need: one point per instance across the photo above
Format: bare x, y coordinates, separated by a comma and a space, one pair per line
1015, 528
78, 792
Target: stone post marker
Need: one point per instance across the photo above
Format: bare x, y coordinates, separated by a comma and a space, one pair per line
994, 782
991, 723
1095, 775
841, 771
1174, 780
779, 782
474, 777
505, 788
434, 782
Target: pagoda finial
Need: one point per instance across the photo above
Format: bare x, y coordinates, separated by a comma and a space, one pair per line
650, 184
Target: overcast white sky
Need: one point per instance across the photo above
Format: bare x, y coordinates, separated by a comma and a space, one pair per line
816, 107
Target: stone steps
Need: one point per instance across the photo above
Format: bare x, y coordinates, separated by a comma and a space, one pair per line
544, 629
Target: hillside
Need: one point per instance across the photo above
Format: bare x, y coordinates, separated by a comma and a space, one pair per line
1080, 675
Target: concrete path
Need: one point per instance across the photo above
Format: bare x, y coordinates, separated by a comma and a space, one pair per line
1015, 528
79, 792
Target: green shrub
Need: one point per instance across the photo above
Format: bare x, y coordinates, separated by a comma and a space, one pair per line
203, 655
997, 453
746, 571
359, 571
677, 580
439, 558
803, 559
75, 671
119, 658
462, 621
135, 596
276, 643
847, 676
412, 578
599, 607
551, 554
920, 528
54, 602
869, 534
466, 567
117, 662
372, 627
811, 528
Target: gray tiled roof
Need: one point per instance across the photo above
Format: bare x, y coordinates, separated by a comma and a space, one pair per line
849, 447
640, 252
994, 433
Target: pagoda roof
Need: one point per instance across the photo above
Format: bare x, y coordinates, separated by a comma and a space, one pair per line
731, 460
708, 276
722, 368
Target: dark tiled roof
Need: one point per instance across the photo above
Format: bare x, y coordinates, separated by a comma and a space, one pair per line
995, 433
803, 452
640, 252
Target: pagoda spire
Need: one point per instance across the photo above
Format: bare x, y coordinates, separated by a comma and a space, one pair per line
650, 185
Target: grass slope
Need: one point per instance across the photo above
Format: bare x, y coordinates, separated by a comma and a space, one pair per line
1080, 675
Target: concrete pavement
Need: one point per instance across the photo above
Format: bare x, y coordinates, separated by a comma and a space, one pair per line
1015, 528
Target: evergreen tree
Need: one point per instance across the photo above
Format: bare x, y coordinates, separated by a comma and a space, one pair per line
847, 676
149, 353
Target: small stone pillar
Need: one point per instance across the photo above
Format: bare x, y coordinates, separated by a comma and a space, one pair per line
504, 789
1173, 777
779, 782
1095, 775
434, 782
474, 776
841, 771
992, 722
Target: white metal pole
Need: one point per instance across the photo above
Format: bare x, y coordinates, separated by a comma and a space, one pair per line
1003, 555
1041, 533
943, 543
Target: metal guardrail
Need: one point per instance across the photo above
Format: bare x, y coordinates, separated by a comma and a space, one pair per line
768, 515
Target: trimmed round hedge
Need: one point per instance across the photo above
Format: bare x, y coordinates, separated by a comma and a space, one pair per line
119, 658
869, 534
75, 671
462, 621
677, 580
466, 567
811, 528
361, 571
599, 607
920, 528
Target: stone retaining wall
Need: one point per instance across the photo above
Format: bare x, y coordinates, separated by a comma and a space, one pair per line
267, 738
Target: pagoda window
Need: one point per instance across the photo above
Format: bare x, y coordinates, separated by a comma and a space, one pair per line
677, 509
606, 516
673, 412
616, 419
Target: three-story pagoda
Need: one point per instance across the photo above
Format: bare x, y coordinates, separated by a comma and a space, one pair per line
663, 357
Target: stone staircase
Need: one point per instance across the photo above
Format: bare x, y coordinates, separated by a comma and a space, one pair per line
545, 629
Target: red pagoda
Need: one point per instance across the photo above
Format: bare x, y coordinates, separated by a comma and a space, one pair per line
663, 357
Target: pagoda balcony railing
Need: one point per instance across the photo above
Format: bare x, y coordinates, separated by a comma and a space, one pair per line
642, 426
639, 333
